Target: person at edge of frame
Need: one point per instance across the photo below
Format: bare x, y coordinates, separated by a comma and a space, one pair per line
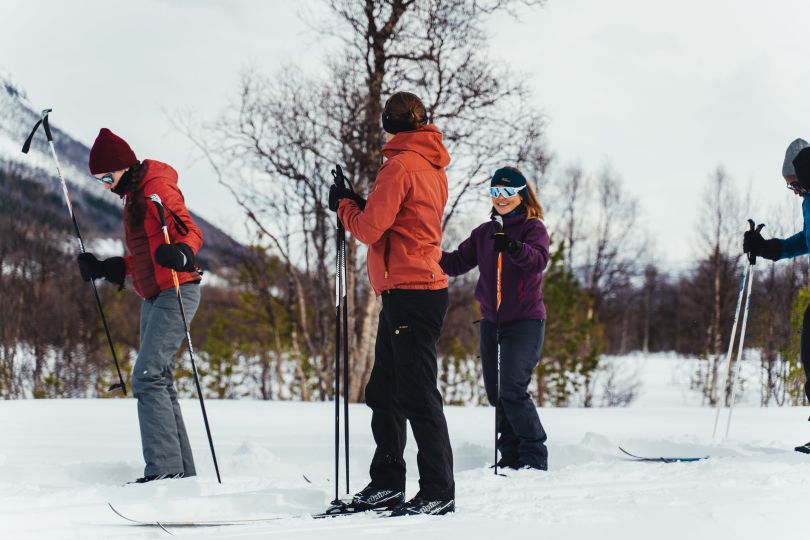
796, 173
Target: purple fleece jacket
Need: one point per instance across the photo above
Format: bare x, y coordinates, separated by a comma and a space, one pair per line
522, 272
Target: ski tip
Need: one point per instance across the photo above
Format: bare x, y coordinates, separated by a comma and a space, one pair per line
119, 514
307, 479
164, 529
683, 459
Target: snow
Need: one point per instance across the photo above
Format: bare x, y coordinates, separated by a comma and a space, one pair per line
62, 461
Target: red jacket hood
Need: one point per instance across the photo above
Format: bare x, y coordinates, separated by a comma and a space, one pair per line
157, 169
425, 141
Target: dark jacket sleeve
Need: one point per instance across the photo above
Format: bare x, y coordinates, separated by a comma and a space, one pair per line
533, 254
794, 246
462, 260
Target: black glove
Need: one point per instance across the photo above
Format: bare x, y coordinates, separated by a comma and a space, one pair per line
757, 246
504, 243
336, 193
178, 257
113, 269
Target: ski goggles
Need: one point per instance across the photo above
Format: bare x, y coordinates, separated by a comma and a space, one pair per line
106, 179
504, 192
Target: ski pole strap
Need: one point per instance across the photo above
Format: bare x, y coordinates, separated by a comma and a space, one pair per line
181, 227
27, 144
44, 121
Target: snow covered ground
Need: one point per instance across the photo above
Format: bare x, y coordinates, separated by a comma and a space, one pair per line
62, 461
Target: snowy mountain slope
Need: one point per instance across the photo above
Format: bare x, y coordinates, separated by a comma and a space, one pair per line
62, 461
97, 215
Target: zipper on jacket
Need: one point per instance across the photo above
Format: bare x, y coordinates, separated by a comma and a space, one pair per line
386, 254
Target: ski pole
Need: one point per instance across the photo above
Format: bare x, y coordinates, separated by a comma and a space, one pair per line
337, 360
341, 332
337, 175
345, 355
26, 147
752, 261
730, 349
159, 205
498, 232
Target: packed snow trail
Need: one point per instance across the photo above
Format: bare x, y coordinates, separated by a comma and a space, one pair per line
62, 461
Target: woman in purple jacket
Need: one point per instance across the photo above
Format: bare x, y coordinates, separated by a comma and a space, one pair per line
520, 319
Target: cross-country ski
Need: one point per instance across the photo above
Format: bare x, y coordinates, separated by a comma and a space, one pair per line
661, 459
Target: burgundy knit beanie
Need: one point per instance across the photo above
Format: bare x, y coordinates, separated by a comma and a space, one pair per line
110, 153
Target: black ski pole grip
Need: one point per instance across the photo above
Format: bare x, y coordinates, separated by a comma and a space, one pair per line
159, 206
338, 177
498, 221
162, 214
46, 125
752, 258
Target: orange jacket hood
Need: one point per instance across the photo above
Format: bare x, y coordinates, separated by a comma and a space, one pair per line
425, 141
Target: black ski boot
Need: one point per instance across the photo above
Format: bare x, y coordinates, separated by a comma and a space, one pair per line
804, 449
374, 498
531, 463
507, 463
368, 499
420, 506
153, 477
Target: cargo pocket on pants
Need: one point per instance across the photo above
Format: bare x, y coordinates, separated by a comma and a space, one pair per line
402, 343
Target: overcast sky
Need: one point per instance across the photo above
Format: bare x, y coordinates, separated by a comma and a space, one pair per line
662, 91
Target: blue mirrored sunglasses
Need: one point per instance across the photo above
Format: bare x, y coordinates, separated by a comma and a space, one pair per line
504, 192
106, 179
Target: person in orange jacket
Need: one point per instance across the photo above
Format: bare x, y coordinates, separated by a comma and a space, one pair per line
150, 262
402, 225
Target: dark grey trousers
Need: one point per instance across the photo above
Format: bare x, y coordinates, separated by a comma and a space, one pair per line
166, 449
521, 435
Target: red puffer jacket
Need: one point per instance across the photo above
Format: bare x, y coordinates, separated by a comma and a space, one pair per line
402, 221
144, 234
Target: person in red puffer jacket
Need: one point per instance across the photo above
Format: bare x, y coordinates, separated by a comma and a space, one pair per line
150, 262
401, 223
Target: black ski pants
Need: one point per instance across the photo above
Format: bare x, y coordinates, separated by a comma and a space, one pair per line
521, 438
403, 387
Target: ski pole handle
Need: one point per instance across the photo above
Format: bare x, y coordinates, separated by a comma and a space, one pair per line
42, 121
161, 213
155, 198
46, 125
752, 259
338, 177
498, 221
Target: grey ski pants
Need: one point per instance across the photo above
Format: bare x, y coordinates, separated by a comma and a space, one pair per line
166, 449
